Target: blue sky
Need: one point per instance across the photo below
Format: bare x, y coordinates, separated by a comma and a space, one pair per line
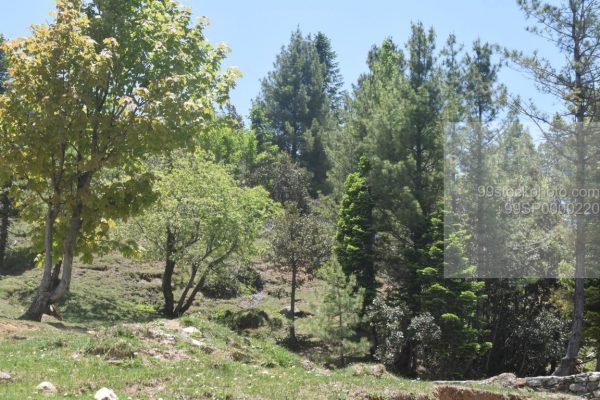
256, 30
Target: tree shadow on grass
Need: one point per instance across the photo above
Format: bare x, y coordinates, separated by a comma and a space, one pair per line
18, 261
96, 309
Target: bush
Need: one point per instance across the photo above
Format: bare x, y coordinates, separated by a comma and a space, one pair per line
117, 343
387, 320
244, 319
113, 348
229, 282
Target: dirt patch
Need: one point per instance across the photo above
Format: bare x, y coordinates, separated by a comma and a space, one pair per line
388, 395
167, 355
11, 327
441, 393
459, 393
150, 389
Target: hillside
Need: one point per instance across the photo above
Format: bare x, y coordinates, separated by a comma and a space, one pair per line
112, 337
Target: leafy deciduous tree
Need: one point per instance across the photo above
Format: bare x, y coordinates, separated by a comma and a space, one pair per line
201, 219
88, 97
300, 246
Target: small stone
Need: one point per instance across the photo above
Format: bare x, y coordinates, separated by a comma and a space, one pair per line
105, 394
190, 330
46, 387
5, 376
596, 393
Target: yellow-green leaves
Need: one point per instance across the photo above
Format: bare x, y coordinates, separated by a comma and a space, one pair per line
104, 86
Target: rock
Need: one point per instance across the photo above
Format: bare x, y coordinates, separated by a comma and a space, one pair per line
105, 394
506, 380
591, 386
377, 370
5, 376
172, 324
190, 330
46, 387
551, 382
534, 382
308, 365
521, 382
594, 377
577, 388
240, 356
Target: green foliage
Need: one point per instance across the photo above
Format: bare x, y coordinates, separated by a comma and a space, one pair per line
300, 245
232, 146
338, 316
388, 322
293, 109
104, 97
355, 232
228, 281
205, 209
3, 64
202, 219
286, 181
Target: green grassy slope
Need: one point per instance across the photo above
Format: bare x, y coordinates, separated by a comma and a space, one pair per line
113, 337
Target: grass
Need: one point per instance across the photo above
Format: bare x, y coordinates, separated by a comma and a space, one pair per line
79, 363
115, 338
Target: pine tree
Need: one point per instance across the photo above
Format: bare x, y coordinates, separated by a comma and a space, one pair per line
355, 232
296, 103
571, 27
333, 78
338, 316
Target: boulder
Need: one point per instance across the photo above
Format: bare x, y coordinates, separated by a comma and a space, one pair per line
5, 376
46, 387
577, 387
506, 380
105, 394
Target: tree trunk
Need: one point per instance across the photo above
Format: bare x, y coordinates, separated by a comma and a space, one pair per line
42, 299
48, 293
69, 246
167, 279
182, 299
5, 208
569, 361
194, 293
293, 307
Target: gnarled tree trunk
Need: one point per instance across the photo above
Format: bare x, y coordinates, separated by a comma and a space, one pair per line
52, 289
